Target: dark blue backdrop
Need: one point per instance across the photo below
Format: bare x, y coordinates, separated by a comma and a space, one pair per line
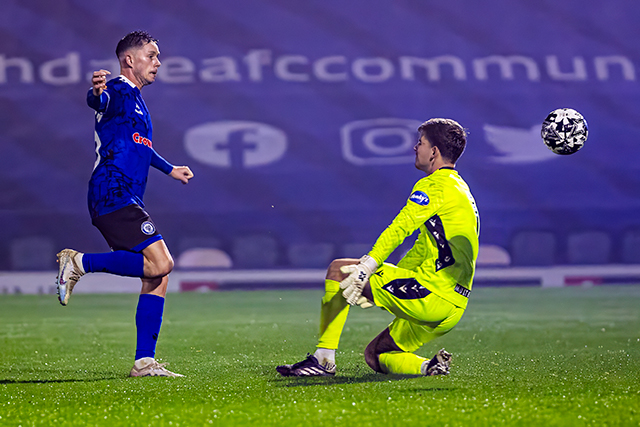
297, 118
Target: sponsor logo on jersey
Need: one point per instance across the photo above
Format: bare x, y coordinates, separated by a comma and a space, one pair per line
420, 198
148, 228
142, 140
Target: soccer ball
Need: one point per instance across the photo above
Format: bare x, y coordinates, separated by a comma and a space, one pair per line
564, 131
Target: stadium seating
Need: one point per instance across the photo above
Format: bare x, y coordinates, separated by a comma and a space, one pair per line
190, 242
534, 248
588, 247
354, 250
254, 251
204, 258
35, 253
310, 255
493, 256
631, 247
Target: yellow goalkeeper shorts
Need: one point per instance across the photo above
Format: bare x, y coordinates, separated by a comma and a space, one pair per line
421, 315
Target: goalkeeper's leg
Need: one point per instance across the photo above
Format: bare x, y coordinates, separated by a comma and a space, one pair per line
401, 362
333, 315
385, 356
333, 312
382, 344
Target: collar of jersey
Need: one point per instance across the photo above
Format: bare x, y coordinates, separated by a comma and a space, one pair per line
126, 80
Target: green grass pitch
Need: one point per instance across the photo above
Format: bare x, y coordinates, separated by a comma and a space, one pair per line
522, 356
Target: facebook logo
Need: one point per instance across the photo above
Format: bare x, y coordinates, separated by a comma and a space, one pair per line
240, 144
379, 141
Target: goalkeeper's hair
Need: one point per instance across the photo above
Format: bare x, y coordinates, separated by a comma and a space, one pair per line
134, 39
446, 134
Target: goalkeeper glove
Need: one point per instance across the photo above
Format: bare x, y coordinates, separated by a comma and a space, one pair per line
353, 285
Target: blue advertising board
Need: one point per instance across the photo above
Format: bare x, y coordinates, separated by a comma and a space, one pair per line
298, 118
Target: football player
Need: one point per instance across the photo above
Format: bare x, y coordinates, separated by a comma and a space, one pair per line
429, 289
124, 149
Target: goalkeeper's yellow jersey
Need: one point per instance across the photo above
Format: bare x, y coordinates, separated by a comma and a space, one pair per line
444, 255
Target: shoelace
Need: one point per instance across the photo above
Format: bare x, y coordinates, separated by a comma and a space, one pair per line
75, 276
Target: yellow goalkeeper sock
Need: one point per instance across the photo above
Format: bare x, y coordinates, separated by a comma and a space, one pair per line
401, 362
333, 315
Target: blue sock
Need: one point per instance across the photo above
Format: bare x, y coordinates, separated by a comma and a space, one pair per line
148, 322
122, 263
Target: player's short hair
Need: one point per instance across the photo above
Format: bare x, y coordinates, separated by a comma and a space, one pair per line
134, 39
446, 134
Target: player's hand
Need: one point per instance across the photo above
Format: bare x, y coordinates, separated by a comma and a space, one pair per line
358, 276
99, 81
353, 293
351, 289
364, 302
181, 173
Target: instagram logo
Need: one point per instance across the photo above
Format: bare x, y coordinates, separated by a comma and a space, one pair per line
379, 141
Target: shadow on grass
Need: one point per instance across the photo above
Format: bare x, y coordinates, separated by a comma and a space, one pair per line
346, 379
65, 380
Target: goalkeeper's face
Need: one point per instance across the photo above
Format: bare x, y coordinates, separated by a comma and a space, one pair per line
425, 154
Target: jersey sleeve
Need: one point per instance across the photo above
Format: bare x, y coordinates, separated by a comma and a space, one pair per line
98, 103
413, 214
158, 162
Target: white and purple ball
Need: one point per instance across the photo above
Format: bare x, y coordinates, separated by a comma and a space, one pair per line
564, 131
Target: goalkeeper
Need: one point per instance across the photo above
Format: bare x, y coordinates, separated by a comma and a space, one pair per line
429, 289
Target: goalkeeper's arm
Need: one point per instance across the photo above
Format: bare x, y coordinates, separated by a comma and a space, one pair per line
404, 224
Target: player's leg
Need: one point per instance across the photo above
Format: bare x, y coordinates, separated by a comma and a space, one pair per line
150, 310
158, 263
333, 315
385, 355
421, 316
334, 308
154, 261
381, 344
137, 251
150, 305
148, 322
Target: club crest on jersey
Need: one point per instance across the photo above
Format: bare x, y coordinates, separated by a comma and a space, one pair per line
142, 140
420, 198
148, 228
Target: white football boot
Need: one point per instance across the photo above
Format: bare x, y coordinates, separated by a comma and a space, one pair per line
69, 272
149, 367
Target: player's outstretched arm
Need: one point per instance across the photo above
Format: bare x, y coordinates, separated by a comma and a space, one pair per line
99, 81
181, 173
